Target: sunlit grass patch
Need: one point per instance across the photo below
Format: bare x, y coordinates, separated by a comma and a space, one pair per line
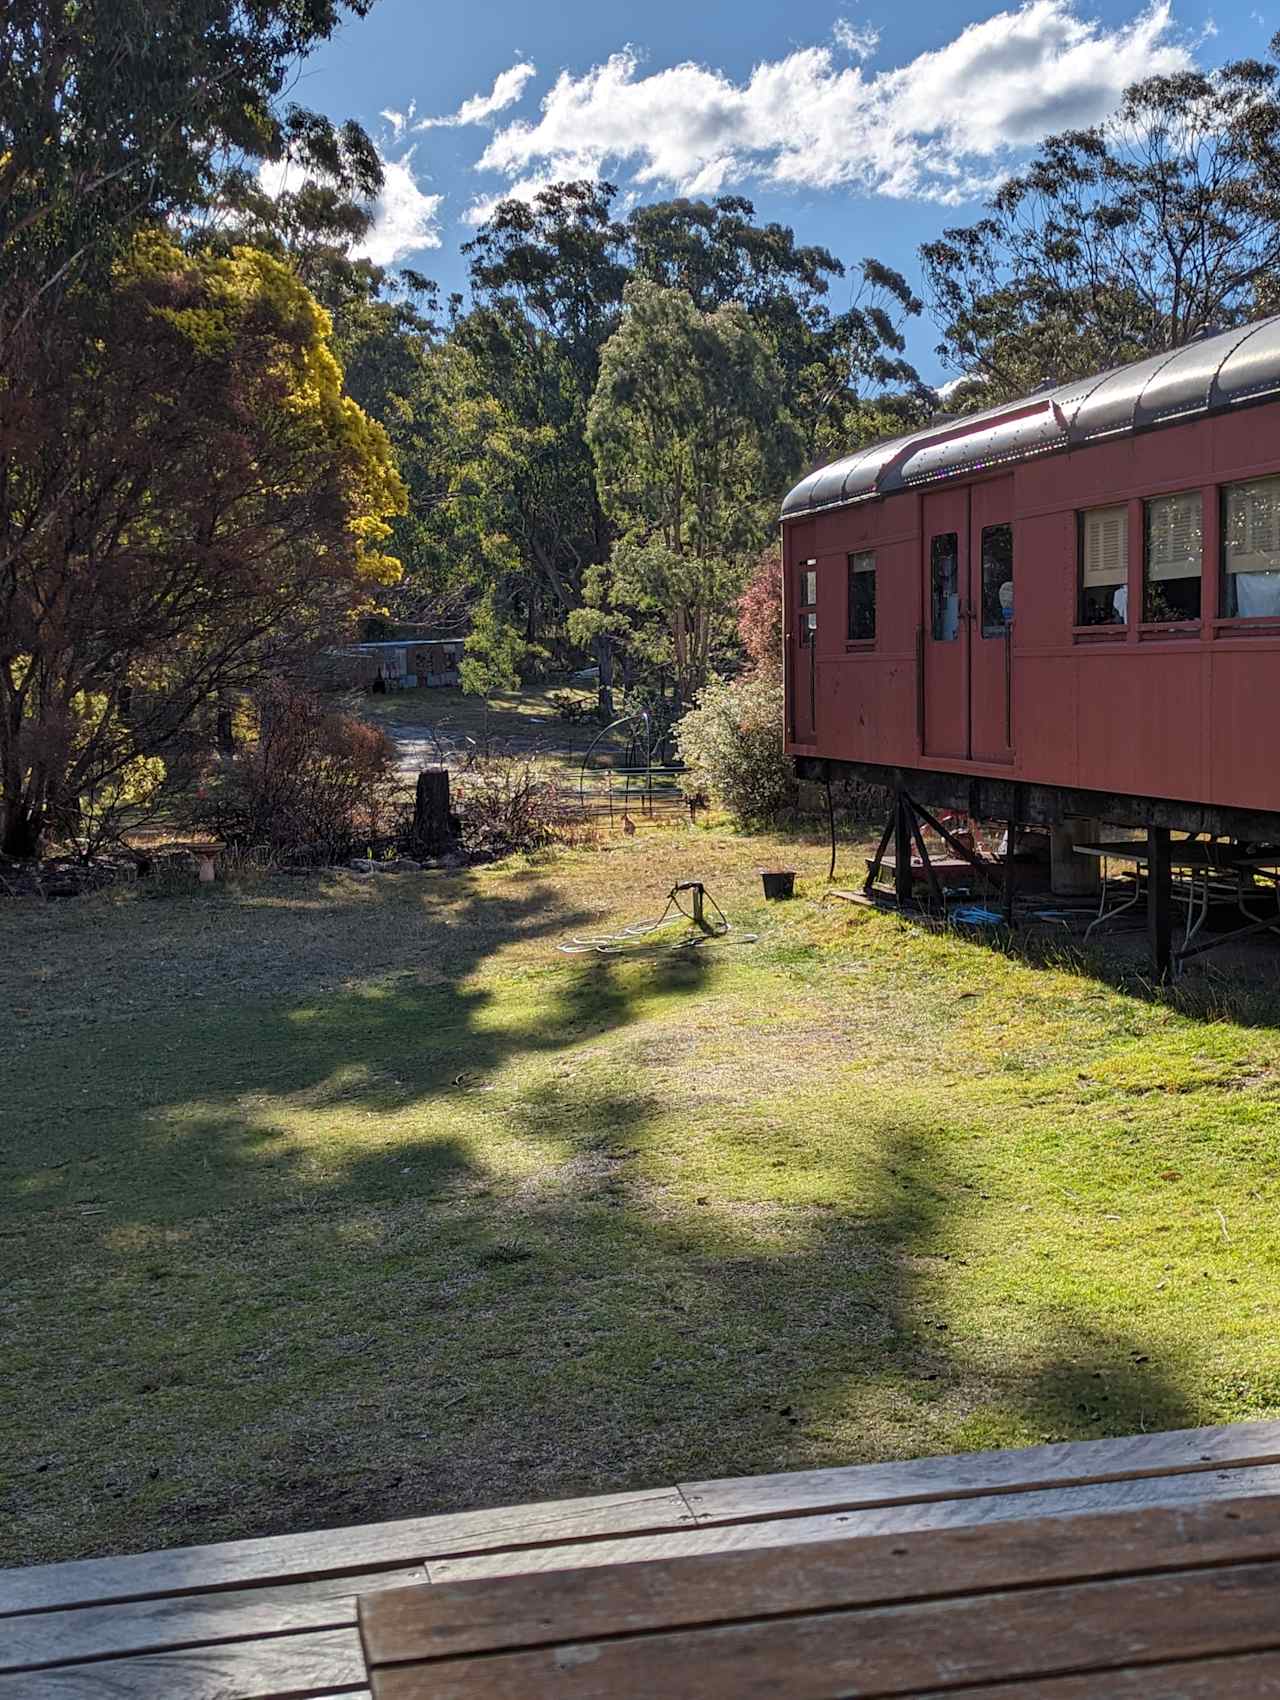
330, 1201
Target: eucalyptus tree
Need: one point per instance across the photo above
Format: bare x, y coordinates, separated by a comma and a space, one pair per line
548, 278
693, 445
837, 363
1125, 239
114, 113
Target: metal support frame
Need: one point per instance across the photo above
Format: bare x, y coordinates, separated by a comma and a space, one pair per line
698, 898
988, 870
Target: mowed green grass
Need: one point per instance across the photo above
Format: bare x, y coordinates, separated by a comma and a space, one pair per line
327, 1201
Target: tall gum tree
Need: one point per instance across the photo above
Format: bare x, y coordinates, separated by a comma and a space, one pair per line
693, 445
1129, 238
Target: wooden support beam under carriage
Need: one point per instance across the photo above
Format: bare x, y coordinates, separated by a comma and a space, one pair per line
986, 798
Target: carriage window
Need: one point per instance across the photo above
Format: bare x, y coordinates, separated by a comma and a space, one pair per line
997, 580
1251, 549
862, 597
944, 586
808, 592
1171, 578
1104, 567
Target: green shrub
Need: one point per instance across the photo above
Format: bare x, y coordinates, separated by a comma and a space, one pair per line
731, 744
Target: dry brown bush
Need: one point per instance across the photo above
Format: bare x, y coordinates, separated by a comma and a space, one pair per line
311, 781
507, 803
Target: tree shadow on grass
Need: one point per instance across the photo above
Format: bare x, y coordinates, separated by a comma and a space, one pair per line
462, 1341
615, 1339
276, 1333
198, 1105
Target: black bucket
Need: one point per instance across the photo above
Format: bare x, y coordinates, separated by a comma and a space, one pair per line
779, 884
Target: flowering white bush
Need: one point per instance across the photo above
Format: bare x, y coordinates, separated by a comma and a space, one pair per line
731, 744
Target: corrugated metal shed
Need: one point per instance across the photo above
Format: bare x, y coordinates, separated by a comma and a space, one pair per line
1209, 376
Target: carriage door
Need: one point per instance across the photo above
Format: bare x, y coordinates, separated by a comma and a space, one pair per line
991, 621
804, 653
967, 687
945, 647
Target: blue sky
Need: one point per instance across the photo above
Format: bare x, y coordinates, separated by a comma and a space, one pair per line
868, 126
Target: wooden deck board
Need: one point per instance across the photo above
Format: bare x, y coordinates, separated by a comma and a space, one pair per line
1249, 1676
370, 1546
900, 1517
1017, 1471
189, 1620
272, 1617
839, 1575
895, 1650
321, 1663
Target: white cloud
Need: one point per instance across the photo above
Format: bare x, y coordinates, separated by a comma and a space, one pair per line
508, 86
404, 220
861, 40
944, 392
399, 121
944, 127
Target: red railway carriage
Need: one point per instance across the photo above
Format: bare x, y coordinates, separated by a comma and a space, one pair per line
1068, 606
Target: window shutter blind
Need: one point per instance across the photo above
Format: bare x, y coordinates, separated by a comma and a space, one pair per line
1106, 546
1252, 540
1173, 537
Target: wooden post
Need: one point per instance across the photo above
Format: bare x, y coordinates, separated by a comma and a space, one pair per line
1010, 869
1159, 901
432, 833
903, 885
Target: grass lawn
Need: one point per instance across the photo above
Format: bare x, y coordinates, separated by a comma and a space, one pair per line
525, 714
440, 723
328, 1201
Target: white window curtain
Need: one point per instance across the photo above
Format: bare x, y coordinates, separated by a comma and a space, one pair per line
1175, 537
1251, 546
1106, 547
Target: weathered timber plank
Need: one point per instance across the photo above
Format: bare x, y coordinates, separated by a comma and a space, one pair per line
284, 1667
279, 1558
146, 1626
538, 1609
1133, 1495
1251, 1676
897, 1650
987, 1472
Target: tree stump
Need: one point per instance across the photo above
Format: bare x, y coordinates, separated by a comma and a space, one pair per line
432, 824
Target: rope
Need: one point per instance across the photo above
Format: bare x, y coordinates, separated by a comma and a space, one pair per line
614, 944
